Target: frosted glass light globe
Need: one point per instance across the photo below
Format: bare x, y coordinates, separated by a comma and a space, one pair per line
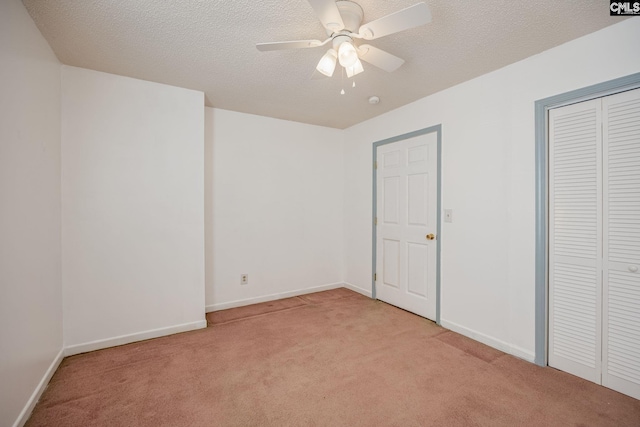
347, 54
327, 63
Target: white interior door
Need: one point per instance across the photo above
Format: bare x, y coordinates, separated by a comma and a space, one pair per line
407, 223
575, 239
594, 240
621, 264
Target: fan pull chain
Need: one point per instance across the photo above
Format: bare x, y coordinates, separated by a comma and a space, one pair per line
342, 80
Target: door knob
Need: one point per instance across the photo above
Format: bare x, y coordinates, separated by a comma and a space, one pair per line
430, 236
633, 269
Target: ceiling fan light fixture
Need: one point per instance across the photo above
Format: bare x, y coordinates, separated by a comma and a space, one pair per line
347, 54
342, 20
327, 63
354, 69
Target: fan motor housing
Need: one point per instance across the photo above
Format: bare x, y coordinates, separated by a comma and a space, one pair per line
352, 15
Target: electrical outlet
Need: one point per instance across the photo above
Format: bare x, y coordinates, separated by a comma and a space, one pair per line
448, 215
244, 279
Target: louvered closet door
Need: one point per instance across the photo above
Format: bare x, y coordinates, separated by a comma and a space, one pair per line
575, 239
621, 292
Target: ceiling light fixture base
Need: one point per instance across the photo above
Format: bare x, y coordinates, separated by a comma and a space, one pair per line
339, 39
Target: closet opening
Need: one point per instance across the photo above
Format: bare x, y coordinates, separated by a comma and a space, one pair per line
588, 233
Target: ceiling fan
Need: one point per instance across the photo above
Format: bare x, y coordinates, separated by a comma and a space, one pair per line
342, 20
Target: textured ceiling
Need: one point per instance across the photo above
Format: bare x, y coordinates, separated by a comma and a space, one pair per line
209, 45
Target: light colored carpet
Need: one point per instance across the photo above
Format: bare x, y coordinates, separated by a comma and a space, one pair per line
333, 358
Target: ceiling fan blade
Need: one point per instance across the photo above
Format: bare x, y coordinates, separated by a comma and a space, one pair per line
299, 44
379, 58
328, 14
413, 16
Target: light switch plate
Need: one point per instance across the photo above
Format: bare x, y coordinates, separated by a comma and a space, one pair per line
448, 215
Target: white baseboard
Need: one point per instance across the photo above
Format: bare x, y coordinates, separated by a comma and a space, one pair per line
365, 292
271, 297
523, 354
138, 336
490, 341
42, 385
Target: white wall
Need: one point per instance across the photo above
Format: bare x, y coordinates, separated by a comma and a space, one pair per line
487, 179
132, 209
274, 207
30, 287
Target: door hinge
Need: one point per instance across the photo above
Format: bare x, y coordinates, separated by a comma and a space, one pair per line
375, 164
375, 277
375, 221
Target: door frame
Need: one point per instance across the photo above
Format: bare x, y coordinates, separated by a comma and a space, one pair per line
542, 107
437, 129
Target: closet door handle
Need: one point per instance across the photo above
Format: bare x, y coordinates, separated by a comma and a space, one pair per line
633, 269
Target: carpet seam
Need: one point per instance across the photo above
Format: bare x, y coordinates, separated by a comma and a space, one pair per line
258, 315
306, 303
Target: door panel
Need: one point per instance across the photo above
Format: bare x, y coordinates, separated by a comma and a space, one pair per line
418, 269
418, 204
575, 249
621, 292
391, 263
391, 190
407, 213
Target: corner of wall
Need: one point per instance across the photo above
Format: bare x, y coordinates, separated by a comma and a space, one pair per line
24, 415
